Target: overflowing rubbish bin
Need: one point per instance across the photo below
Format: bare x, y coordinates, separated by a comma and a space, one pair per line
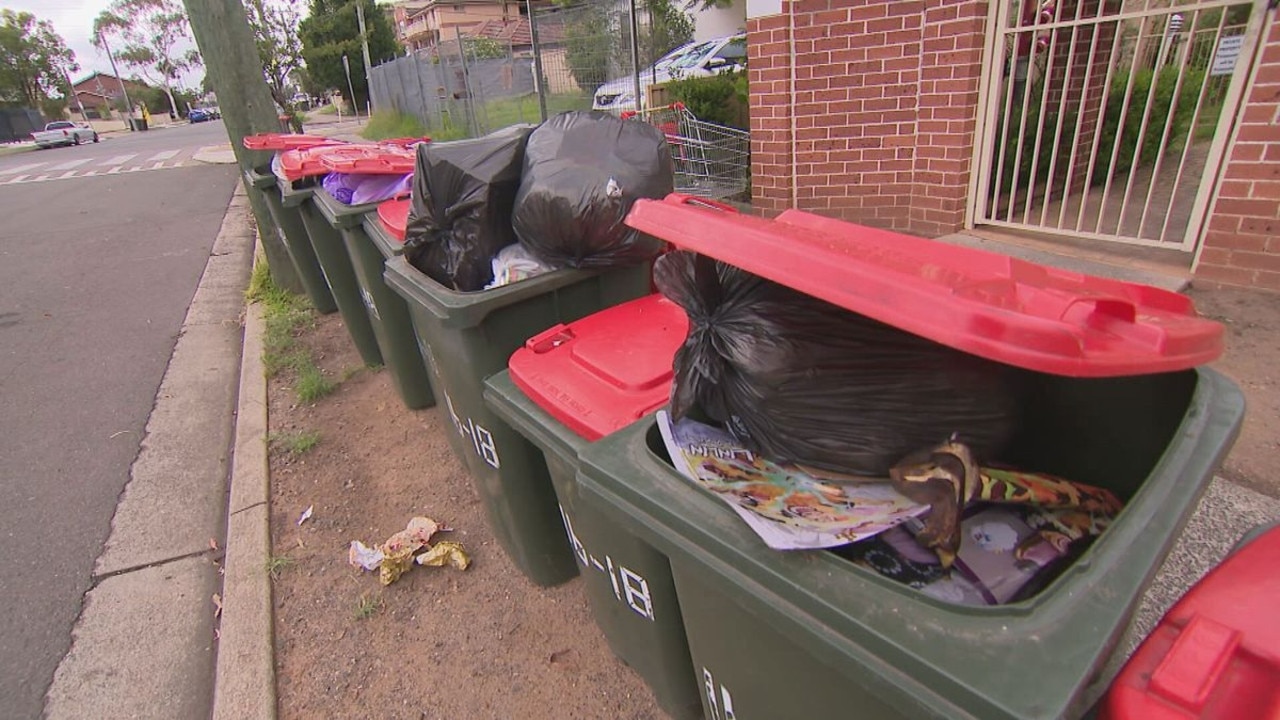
289, 220
572, 385
358, 225
1115, 399
326, 241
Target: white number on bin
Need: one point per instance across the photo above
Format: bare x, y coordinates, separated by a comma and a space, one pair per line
721, 707
481, 439
368, 303
628, 586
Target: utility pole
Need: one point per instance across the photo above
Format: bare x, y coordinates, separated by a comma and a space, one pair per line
364, 45
128, 105
72, 89
226, 41
346, 67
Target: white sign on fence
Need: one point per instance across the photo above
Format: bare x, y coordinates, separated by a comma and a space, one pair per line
1224, 59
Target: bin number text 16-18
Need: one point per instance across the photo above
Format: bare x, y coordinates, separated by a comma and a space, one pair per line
481, 439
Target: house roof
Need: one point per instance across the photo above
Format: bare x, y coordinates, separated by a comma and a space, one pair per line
514, 32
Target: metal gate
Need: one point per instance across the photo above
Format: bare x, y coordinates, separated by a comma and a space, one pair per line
1108, 119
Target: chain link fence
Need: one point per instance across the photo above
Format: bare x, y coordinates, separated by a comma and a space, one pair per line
460, 87
604, 54
595, 54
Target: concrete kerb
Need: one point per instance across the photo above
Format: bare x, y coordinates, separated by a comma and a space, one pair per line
244, 687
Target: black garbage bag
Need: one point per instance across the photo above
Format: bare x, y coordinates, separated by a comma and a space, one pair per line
801, 380
582, 173
463, 193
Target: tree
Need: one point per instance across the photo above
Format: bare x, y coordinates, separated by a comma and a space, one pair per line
332, 31
34, 60
275, 30
145, 35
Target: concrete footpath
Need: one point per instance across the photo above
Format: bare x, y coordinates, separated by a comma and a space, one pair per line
144, 645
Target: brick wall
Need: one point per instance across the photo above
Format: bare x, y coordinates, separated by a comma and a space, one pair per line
1242, 245
885, 107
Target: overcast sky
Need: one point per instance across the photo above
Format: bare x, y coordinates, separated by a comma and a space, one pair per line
73, 19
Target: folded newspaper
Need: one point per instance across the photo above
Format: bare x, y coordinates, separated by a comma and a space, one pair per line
788, 508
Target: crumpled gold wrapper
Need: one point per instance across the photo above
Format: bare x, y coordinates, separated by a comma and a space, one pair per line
444, 552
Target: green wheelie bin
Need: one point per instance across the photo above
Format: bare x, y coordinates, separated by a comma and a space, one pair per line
387, 311
468, 336
1116, 400
329, 248
566, 388
287, 220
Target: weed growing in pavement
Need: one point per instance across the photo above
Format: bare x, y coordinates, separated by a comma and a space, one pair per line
276, 565
367, 607
295, 443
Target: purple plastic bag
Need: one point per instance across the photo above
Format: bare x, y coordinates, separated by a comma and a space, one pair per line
354, 189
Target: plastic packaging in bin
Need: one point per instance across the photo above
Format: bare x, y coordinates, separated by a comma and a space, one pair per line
806, 633
578, 382
1214, 653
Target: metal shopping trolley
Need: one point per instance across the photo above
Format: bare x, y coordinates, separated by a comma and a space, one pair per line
711, 160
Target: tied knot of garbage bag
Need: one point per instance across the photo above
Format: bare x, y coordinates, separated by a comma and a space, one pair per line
463, 196
582, 173
801, 380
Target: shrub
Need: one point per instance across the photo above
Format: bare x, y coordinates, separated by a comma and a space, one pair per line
721, 99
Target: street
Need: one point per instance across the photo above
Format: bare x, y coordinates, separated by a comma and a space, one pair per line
159, 149
101, 249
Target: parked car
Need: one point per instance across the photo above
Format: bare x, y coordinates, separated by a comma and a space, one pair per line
710, 57
64, 132
618, 95
198, 115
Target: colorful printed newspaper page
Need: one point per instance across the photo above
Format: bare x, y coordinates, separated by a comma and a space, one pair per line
788, 508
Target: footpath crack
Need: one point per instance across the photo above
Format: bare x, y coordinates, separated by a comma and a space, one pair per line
215, 555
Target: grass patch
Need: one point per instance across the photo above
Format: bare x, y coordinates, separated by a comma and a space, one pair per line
311, 384
330, 109
276, 565
15, 149
367, 607
392, 124
286, 316
295, 443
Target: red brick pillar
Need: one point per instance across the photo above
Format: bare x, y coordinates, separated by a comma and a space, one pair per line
953, 35
1242, 245
769, 87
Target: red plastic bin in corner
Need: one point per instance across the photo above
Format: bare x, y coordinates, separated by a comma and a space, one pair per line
1216, 653
601, 373
394, 217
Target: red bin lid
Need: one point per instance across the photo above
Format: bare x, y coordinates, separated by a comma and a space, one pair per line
298, 164
286, 141
394, 216
607, 370
369, 160
1216, 653
1001, 308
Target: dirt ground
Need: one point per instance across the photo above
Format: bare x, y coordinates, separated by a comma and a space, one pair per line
438, 643
486, 643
